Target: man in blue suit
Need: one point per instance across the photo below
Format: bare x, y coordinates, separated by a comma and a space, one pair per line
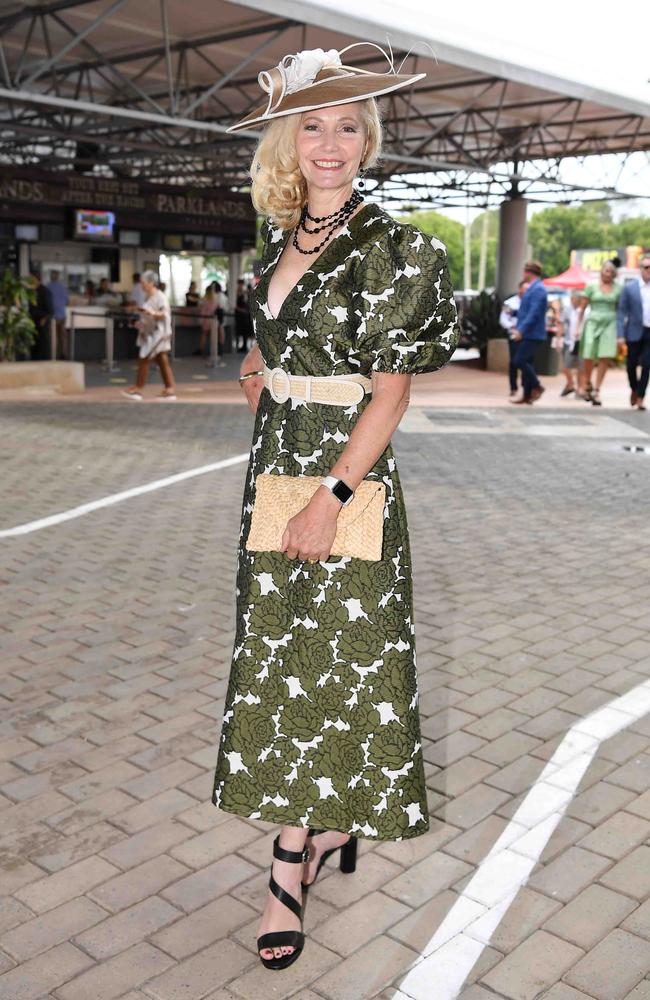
530, 331
633, 322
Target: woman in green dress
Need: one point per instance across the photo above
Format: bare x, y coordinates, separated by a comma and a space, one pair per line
598, 341
321, 731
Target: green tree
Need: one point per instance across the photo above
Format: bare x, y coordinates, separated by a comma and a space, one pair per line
450, 232
17, 330
633, 232
555, 232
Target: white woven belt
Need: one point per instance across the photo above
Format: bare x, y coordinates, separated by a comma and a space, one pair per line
335, 390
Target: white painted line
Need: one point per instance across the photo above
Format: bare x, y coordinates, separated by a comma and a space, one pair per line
446, 961
113, 498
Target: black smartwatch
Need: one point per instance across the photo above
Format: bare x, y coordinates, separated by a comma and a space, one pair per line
341, 490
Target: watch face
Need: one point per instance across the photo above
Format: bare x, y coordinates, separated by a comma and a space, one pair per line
342, 492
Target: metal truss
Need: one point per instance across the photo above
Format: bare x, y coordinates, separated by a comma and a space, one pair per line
69, 101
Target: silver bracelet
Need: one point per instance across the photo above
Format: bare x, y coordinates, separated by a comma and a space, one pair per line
243, 378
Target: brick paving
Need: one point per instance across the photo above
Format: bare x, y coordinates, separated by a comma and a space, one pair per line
120, 880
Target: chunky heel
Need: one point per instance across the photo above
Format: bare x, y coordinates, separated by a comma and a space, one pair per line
349, 856
348, 861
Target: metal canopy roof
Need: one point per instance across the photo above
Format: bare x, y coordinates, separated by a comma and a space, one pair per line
147, 90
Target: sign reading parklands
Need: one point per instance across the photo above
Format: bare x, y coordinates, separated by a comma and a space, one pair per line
87, 191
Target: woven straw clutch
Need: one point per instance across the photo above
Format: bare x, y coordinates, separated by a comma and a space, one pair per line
360, 526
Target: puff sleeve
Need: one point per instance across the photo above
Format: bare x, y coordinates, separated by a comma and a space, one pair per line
404, 303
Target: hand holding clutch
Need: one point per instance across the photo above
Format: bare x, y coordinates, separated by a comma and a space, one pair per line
360, 525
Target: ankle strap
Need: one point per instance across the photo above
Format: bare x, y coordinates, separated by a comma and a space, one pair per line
295, 857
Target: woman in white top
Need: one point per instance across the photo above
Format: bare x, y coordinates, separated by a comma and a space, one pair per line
154, 339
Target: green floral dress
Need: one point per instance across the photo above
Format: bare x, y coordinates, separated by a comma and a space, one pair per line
321, 725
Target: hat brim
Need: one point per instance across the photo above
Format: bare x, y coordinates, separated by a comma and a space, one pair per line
341, 90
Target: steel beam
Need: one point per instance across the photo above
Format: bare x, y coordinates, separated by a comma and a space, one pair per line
38, 10
128, 83
206, 94
108, 110
79, 37
168, 56
197, 43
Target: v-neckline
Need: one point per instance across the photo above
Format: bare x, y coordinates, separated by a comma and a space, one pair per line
309, 270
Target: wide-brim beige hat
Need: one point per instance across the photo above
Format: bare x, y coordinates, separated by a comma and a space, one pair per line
316, 79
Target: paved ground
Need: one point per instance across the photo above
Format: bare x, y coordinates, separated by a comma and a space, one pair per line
460, 384
532, 583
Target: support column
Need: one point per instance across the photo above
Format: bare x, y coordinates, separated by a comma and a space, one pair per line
234, 270
197, 268
23, 260
513, 245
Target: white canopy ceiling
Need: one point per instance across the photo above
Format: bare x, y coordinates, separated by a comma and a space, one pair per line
148, 90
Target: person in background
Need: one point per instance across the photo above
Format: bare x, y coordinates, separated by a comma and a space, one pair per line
530, 331
106, 296
221, 315
207, 310
104, 290
192, 297
162, 286
41, 313
137, 292
60, 298
154, 340
508, 322
568, 343
633, 325
89, 292
212, 307
598, 335
242, 316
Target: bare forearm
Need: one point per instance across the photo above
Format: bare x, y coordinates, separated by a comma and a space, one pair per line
371, 435
311, 532
253, 361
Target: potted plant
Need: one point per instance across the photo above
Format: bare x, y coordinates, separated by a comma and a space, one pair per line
17, 329
481, 322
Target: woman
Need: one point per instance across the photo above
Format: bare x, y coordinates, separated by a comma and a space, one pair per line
568, 344
207, 309
212, 305
192, 296
598, 342
154, 339
321, 727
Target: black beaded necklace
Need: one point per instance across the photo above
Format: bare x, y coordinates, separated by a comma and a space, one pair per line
332, 222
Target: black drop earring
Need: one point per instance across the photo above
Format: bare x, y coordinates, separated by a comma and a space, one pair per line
361, 184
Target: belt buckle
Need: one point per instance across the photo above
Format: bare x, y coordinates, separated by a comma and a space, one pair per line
360, 391
285, 391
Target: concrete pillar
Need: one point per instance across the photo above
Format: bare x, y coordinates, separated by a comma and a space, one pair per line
197, 267
513, 245
23, 260
234, 271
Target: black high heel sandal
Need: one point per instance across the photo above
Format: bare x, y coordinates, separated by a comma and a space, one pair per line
348, 861
284, 939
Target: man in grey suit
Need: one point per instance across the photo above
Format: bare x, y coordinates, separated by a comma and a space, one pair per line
633, 320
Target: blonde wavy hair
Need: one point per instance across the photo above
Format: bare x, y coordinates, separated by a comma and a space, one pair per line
279, 189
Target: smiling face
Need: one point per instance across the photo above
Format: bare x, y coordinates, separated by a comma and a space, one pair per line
330, 145
607, 273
